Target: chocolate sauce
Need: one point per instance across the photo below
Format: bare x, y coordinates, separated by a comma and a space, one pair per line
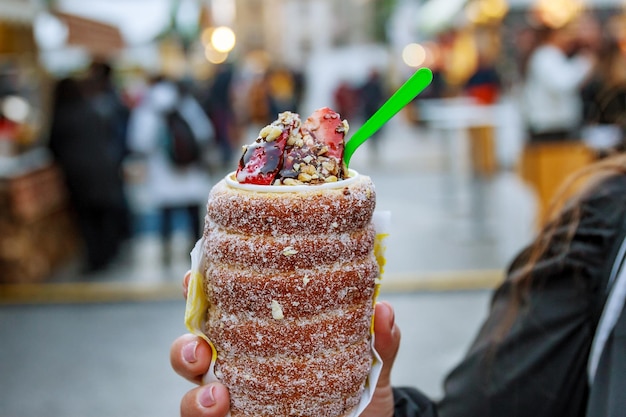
270, 154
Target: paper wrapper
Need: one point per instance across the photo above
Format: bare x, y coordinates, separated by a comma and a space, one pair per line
197, 306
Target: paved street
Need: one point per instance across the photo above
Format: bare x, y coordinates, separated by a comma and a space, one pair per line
111, 360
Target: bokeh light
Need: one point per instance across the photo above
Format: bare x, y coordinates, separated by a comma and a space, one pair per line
214, 56
223, 39
15, 108
414, 55
557, 13
486, 11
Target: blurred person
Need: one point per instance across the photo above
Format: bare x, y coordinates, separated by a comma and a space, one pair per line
258, 103
372, 95
346, 100
171, 188
218, 104
531, 357
190, 107
484, 88
484, 85
81, 146
108, 103
526, 39
604, 101
555, 72
281, 91
299, 86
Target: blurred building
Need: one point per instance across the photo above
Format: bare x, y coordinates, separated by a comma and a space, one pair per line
290, 29
36, 233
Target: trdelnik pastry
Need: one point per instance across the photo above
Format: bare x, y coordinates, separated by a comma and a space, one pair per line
286, 274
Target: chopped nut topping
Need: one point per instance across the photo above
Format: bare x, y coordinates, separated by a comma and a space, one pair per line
308, 169
289, 250
330, 165
273, 134
277, 310
304, 177
265, 131
291, 140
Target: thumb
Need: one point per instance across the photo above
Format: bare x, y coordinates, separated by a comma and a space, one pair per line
387, 339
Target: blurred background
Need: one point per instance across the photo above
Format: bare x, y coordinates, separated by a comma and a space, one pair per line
96, 223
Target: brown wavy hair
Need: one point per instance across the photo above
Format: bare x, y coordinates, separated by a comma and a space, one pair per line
564, 211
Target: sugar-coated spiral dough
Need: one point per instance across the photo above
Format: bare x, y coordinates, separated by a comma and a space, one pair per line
303, 292
288, 252
290, 281
341, 209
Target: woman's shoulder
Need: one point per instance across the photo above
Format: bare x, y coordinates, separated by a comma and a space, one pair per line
609, 193
584, 233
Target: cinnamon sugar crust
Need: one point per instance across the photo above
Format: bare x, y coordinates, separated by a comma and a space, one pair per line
290, 281
328, 381
241, 335
337, 210
287, 252
300, 293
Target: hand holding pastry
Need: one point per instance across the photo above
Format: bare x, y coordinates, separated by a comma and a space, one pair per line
190, 357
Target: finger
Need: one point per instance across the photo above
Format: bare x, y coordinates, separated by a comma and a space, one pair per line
190, 357
211, 400
387, 340
186, 283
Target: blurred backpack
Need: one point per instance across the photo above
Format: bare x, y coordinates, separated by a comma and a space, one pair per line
182, 145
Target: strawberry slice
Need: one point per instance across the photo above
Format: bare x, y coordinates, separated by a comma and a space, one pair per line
262, 161
326, 126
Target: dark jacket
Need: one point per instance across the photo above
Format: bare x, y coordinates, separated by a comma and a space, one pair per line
539, 368
82, 148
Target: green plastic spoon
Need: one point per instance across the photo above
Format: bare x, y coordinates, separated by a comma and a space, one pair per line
403, 96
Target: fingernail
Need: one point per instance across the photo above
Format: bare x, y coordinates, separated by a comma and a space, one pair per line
186, 280
392, 316
189, 352
206, 397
